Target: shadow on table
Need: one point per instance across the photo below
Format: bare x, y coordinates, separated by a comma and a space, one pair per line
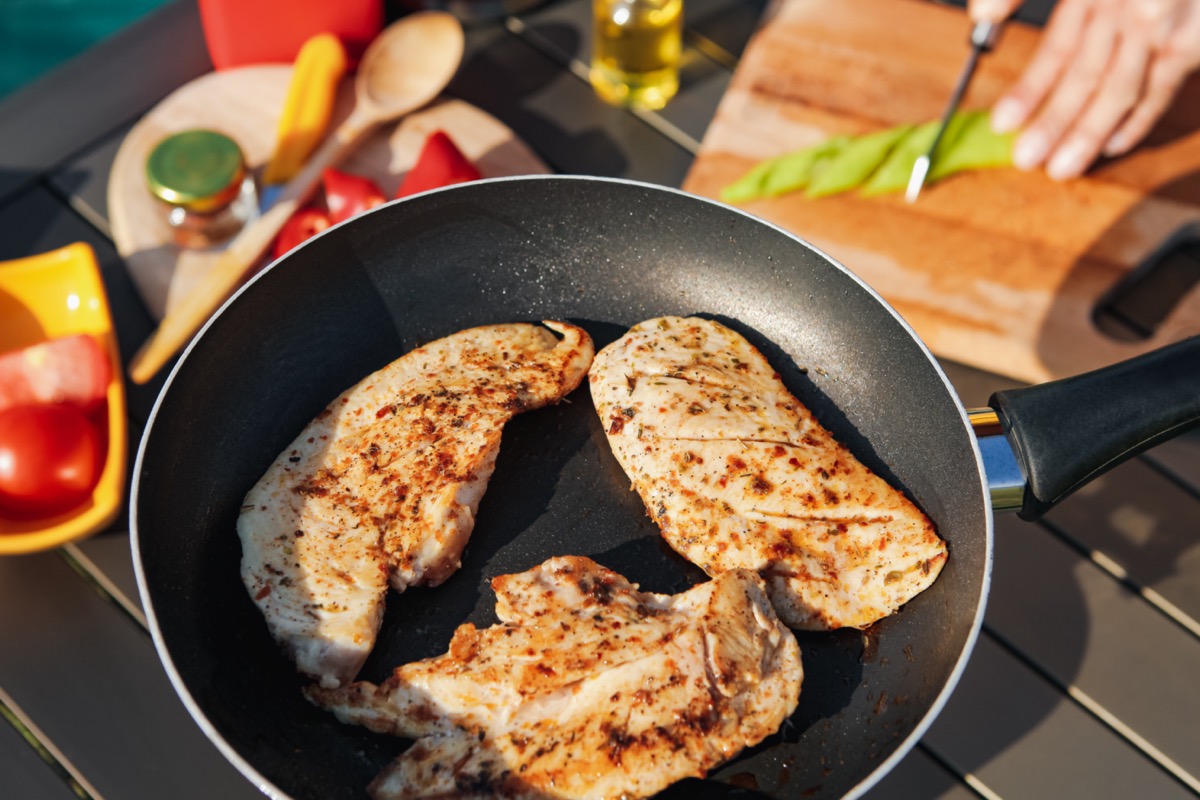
1041, 625
1146, 525
508, 76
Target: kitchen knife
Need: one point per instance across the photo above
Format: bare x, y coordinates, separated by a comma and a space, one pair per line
983, 38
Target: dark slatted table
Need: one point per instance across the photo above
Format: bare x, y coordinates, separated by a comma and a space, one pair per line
1085, 683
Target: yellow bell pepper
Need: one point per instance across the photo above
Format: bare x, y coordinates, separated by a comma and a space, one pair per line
318, 70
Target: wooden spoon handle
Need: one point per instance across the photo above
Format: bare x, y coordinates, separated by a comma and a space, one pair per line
233, 266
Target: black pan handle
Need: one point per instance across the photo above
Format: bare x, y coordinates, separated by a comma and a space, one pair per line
1070, 431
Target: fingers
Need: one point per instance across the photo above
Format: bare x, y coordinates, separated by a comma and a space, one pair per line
1117, 90
1105, 73
1046, 140
1158, 17
1062, 39
1164, 81
1176, 37
991, 10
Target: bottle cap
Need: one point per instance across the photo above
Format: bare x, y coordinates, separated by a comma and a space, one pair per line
199, 170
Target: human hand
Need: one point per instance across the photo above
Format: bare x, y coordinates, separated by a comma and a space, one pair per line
1105, 72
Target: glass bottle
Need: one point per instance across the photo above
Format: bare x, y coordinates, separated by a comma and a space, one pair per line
202, 183
636, 46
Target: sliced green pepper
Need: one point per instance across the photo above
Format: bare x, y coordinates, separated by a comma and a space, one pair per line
795, 171
786, 173
975, 146
893, 173
855, 162
878, 162
750, 185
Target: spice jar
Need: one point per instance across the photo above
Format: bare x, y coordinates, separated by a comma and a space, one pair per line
636, 46
201, 180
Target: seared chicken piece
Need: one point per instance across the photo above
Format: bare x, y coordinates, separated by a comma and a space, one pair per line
738, 473
587, 688
383, 485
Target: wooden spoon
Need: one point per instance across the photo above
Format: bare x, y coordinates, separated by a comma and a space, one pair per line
405, 67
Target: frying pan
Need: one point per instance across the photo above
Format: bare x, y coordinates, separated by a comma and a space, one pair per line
604, 254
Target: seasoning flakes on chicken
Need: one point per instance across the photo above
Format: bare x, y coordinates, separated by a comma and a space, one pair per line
383, 485
738, 473
586, 688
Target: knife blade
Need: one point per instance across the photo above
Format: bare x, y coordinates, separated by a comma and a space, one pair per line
983, 37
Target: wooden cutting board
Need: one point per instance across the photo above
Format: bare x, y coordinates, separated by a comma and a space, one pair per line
997, 269
246, 104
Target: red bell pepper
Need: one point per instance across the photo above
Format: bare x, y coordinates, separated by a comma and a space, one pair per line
306, 222
441, 163
347, 195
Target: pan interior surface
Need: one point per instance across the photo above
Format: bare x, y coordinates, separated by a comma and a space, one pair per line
605, 255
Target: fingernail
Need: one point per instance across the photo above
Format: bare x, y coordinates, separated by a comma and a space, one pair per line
1117, 145
1068, 162
1006, 116
1030, 150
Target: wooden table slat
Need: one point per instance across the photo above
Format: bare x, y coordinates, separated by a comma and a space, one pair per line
93, 682
1086, 630
84, 178
86, 672
109, 560
1144, 523
558, 115
46, 121
725, 24
23, 774
565, 30
1021, 738
1181, 458
920, 775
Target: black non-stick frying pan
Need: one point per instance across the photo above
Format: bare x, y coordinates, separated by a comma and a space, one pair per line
604, 254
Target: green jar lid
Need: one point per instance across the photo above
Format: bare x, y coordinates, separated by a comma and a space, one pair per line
200, 170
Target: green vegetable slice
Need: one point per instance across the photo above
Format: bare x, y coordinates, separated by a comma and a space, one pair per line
750, 185
975, 146
893, 173
855, 163
879, 162
794, 172
969, 143
787, 173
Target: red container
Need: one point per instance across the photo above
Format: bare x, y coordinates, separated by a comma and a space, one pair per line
241, 32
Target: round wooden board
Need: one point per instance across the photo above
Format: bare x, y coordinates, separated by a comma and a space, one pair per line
246, 104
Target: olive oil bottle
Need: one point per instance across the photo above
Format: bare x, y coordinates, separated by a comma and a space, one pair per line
635, 51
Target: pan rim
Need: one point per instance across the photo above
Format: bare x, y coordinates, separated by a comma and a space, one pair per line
266, 786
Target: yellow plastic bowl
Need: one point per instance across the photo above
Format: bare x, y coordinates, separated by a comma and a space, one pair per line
43, 297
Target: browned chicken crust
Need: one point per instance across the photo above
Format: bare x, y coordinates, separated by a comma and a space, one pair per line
737, 473
382, 487
587, 688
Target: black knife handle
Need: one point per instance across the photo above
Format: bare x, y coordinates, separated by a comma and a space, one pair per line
1070, 431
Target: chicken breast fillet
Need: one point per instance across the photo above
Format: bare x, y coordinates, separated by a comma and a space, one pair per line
587, 688
737, 473
384, 484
